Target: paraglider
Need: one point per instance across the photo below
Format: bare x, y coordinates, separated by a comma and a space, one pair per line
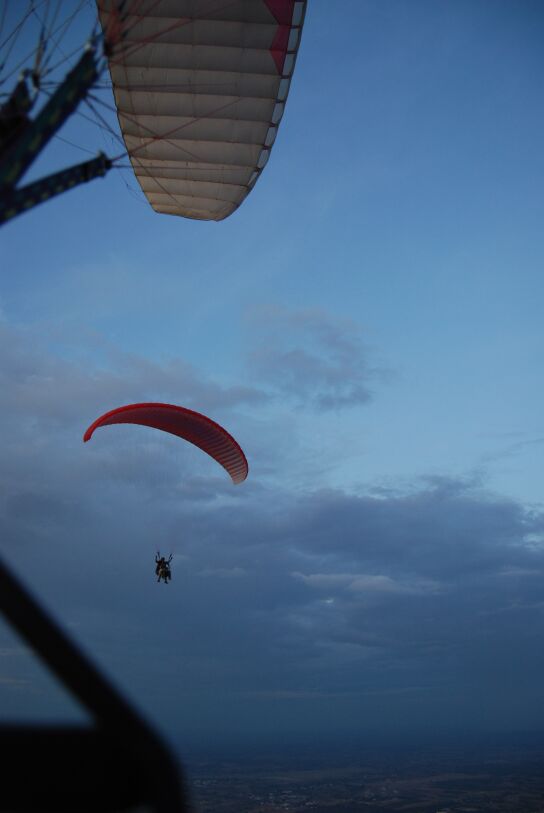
186, 424
162, 567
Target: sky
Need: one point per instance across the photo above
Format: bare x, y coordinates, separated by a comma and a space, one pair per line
368, 326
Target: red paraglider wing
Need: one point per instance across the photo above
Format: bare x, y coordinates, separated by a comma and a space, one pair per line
186, 424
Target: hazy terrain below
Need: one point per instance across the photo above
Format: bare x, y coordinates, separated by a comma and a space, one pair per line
428, 779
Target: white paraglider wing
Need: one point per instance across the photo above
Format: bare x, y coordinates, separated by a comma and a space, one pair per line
200, 88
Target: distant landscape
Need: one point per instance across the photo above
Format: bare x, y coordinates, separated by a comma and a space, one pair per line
430, 779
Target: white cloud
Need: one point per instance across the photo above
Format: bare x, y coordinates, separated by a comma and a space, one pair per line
366, 583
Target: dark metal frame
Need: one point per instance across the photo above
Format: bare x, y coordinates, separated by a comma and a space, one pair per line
22, 139
119, 763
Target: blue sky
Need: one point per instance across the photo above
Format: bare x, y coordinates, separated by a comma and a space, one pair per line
368, 325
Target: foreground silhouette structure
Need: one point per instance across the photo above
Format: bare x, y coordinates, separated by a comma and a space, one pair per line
116, 764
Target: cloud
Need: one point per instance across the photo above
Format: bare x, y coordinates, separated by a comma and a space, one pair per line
519, 572
290, 595
512, 449
223, 572
48, 396
14, 683
37, 382
309, 356
364, 582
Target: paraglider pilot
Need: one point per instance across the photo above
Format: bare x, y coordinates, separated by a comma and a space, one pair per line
162, 567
